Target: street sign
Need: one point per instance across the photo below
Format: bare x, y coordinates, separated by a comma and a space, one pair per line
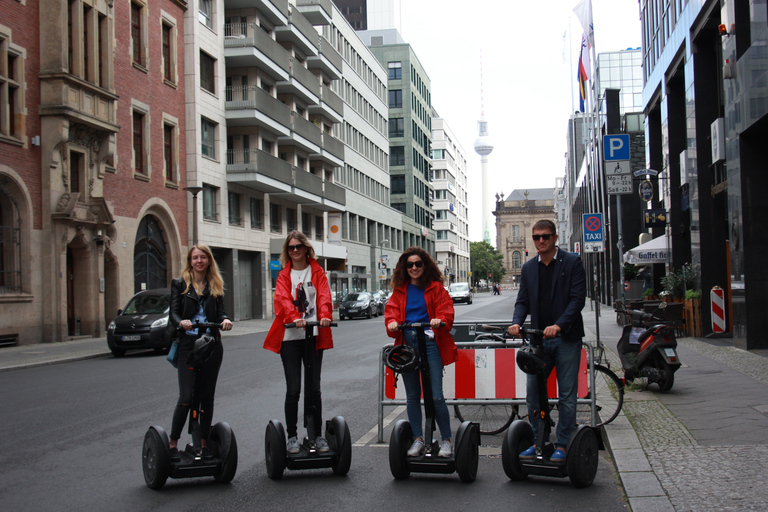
615, 147
645, 189
619, 184
645, 172
655, 218
618, 168
593, 247
593, 228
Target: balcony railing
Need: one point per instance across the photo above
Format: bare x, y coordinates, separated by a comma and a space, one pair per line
250, 35
240, 97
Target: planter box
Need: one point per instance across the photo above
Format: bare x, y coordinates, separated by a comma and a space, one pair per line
693, 317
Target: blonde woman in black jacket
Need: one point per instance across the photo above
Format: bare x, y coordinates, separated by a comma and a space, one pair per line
197, 296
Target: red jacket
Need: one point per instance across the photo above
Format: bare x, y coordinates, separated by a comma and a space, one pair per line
285, 311
439, 305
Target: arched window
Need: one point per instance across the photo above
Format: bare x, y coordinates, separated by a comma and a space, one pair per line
10, 244
149, 256
517, 260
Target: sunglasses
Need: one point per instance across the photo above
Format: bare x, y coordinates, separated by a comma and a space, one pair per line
411, 264
295, 247
536, 238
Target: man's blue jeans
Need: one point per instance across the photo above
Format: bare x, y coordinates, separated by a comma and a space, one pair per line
566, 357
412, 382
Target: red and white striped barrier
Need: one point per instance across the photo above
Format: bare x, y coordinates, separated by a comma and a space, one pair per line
717, 299
487, 373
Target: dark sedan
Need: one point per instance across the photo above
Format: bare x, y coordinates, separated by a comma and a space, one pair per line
142, 324
358, 304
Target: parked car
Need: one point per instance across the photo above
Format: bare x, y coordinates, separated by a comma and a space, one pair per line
143, 324
380, 297
461, 292
358, 304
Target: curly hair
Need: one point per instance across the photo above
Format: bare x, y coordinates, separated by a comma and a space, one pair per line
431, 272
301, 237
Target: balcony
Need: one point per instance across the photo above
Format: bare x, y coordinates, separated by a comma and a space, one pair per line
259, 170
304, 134
276, 11
328, 60
247, 45
299, 32
252, 106
334, 196
318, 12
332, 150
301, 82
330, 106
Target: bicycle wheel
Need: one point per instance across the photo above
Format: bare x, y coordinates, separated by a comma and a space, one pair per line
493, 419
609, 392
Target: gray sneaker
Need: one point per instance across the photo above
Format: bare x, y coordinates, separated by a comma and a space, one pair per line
293, 445
445, 449
417, 448
321, 444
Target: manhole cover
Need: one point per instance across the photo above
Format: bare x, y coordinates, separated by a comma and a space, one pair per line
693, 371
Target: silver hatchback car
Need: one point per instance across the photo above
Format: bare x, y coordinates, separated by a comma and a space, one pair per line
461, 292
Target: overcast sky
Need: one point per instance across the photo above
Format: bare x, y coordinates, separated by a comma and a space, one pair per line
528, 79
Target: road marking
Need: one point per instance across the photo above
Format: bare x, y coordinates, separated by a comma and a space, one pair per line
375, 430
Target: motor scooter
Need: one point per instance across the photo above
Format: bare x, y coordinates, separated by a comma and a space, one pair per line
648, 347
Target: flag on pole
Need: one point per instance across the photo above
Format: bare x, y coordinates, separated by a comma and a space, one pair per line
582, 73
583, 11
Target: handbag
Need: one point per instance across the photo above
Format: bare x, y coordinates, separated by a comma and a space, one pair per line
173, 353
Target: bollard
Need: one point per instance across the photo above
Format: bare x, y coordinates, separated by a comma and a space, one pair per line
717, 301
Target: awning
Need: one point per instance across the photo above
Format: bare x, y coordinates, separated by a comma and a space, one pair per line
653, 251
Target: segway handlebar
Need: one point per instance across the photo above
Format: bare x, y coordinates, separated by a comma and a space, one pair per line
418, 325
197, 325
313, 323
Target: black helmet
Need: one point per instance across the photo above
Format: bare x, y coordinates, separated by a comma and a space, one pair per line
202, 350
401, 359
531, 359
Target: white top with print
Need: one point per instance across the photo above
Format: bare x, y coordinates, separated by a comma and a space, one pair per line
302, 280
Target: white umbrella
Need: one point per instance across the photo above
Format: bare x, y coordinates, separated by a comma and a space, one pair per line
653, 251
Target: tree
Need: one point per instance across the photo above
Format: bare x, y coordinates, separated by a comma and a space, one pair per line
485, 260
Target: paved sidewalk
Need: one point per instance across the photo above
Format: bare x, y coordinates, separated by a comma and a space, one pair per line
703, 445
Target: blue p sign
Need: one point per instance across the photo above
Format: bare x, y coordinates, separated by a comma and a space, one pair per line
615, 148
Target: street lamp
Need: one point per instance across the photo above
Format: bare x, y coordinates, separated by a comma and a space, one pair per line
194, 191
381, 255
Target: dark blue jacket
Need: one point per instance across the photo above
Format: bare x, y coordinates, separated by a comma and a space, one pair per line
569, 289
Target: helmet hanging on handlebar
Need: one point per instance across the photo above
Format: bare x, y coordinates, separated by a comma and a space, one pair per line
202, 350
401, 359
531, 359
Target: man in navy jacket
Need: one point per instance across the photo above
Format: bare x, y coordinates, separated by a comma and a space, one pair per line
553, 287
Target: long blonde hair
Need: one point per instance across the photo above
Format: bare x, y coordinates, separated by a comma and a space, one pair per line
301, 237
215, 282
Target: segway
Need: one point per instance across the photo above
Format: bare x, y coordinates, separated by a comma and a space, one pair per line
582, 451
220, 462
338, 458
465, 457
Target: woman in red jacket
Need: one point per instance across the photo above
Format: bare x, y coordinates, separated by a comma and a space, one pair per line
301, 294
419, 296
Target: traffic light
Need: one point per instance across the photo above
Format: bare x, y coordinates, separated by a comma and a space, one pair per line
526, 253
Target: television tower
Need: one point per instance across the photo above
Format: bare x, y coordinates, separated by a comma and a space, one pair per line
484, 147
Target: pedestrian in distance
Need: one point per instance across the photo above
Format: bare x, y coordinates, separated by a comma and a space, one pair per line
553, 287
418, 296
302, 295
197, 296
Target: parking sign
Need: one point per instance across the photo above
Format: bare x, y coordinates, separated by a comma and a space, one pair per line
615, 147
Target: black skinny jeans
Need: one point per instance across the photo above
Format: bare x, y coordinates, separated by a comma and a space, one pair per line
204, 379
292, 354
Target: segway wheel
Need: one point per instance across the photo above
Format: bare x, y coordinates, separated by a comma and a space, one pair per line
399, 442
582, 457
274, 450
468, 453
225, 445
519, 437
340, 441
155, 459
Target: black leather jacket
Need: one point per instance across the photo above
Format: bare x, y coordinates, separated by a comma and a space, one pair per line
184, 306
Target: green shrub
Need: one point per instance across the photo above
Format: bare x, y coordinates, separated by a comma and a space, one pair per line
692, 294
649, 293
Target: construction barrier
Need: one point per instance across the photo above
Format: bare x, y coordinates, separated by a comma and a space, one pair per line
717, 299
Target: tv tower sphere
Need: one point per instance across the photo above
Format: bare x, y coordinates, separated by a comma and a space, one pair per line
483, 144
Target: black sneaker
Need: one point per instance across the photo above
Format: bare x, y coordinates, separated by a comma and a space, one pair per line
175, 455
207, 454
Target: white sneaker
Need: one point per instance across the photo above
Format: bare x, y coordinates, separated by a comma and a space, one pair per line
417, 448
445, 449
293, 445
321, 445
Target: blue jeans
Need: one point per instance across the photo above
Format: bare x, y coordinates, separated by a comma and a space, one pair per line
412, 382
565, 356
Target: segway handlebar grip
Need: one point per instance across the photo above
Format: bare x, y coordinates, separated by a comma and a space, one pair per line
313, 323
418, 325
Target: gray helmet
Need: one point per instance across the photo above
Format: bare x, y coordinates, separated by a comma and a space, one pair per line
202, 350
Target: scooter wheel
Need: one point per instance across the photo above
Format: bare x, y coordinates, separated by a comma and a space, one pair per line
337, 434
399, 442
519, 437
582, 457
274, 449
467, 453
226, 446
668, 379
155, 459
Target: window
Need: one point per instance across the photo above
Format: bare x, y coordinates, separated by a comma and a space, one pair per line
396, 127
397, 184
275, 224
207, 72
136, 34
266, 146
306, 224
167, 67
206, 13
210, 210
396, 155
400, 207
76, 171
10, 245
257, 213
290, 219
395, 70
234, 209
12, 108
395, 98
318, 228
168, 151
207, 138
139, 163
